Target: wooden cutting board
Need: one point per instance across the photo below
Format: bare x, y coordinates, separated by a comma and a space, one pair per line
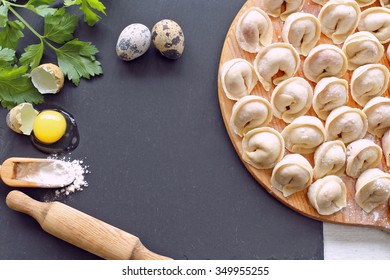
352, 214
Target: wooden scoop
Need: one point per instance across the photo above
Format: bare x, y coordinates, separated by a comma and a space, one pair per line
82, 230
8, 173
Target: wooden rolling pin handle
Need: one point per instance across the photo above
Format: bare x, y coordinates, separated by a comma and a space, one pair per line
82, 230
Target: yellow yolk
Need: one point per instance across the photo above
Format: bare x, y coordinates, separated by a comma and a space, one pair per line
49, 126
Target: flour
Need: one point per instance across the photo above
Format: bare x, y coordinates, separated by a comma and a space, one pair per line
54, 173
66, 174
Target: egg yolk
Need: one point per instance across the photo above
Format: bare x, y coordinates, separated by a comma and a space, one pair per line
49, 126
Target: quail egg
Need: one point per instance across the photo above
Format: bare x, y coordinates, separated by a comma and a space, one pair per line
47, 78
55, 131
168, 38
133, 42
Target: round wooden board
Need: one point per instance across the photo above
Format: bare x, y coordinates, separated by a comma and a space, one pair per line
352, 214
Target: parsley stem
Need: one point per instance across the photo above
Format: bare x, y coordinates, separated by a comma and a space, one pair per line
26, 23
13, 4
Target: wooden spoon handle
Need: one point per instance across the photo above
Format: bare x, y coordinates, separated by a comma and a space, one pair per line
82, 230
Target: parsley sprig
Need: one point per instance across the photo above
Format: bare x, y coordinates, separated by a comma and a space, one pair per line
75, 58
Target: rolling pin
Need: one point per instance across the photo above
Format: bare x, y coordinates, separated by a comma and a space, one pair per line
82, 230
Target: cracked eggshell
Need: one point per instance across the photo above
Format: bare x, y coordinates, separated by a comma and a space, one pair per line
168, 38
133, 41
21, 118
47, 78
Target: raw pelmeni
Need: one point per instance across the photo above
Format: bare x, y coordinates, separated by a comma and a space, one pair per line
329, 93
238, 78
292, 174
304, 135
386, 147
328, 195
262, 147
254, 30
369, 81
385, 3
281, 8
362, 48
339, 19
250, 112
362, 154
302, 30
364, 3
274, 58
329, 159
377, 111
325, 60
377, 21
372, 189
292, 98
346, 124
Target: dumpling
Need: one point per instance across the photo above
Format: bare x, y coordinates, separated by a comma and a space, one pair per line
292, 174
304, 135
262, 147
328, 195
325, 60
364, 3
302, 30
329, 93
281, 8
362, 154
339, 19
274, 58
372, 189
377, 111
377, 21
254, 30
369, 81
329, 159
250, 112
386, 147
238, 78
292, 98
388, 52
346, 124
321, 2
385, 3
362, 48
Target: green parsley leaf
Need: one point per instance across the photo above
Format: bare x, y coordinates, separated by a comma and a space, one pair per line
3, 15
7, 57
88, 7
60, 26
77, 59
16, 87
11, 33
41, 7
32, 55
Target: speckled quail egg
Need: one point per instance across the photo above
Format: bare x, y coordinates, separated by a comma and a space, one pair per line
133, 42
168, 38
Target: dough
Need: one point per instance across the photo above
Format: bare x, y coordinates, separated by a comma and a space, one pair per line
281, 8
292, 98
254, 30
274, 58
328, 195
369, 81
329, 93
262, 147
238, 78
292, 174
325, 60
378, 115
362, 154
377, 21
362, 48
346, 124
372, 189
302, 30
250, 112
329, 159
386, 147
304, 135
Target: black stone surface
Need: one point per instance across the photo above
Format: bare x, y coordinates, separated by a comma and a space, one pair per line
163, 167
